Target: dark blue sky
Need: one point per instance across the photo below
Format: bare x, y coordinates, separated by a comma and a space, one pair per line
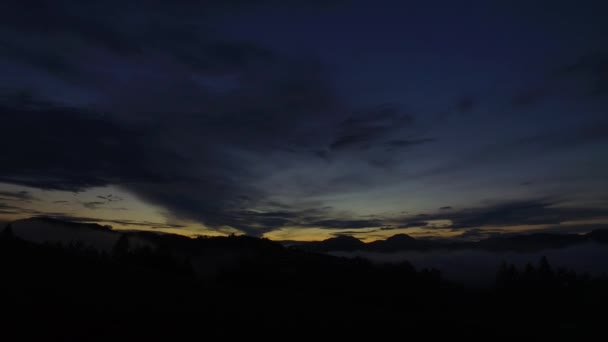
308, 119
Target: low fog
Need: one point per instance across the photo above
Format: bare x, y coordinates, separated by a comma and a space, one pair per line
478, 268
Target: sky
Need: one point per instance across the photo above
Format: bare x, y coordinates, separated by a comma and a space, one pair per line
304, 120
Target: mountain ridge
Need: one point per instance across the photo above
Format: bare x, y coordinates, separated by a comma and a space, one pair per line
47, 229
404, 242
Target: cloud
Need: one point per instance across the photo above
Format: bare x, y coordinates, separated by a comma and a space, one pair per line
465, 104
104, 200
182, 116
160, 133
446, 208
99, 149
20, 196
5, 208
414, 224
81, 29
477, 234
11, 209
110, 198
587, 76
93, 205
529, 212
345, 224
353, 232
403, 143
366, 126
591, 67
530, 97
82, 219
543, 211
546, 142
223, 131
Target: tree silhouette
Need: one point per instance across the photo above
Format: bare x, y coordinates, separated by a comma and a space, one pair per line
7, 233
545, 273
121, 247
507, 275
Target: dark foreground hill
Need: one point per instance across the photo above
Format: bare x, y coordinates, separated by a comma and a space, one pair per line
53, 291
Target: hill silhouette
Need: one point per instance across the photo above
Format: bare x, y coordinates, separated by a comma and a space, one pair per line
338, 243
74, 292
398, 242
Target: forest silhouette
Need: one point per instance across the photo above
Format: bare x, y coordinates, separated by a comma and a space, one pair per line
76, 292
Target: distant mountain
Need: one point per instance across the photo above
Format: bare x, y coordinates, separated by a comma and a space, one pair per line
403, 242
339, 243
350, 244
50, 230
398, 242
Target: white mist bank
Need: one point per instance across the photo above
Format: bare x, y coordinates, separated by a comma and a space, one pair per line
478, 268
40, 231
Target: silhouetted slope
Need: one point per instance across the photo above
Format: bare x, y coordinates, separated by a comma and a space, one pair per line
339, 243
70, 292
600, 236
399, 242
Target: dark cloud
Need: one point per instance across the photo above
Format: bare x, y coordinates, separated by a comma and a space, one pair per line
255, 223
105, 200
591, 133
365, 127
93, 204
184, 117
529, 97
110, 198
353, 232
465, 105
216, 129
514, 213
77, 29
587, 76
165, 131
11, 209
592, 68
574, 228
20, 196
34, 56
402, 143
81, 219
445, 208
546, 142
346, 224
477, 234
414, 224
67, 149
351, 140
4, 208
530, 212
322, 154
